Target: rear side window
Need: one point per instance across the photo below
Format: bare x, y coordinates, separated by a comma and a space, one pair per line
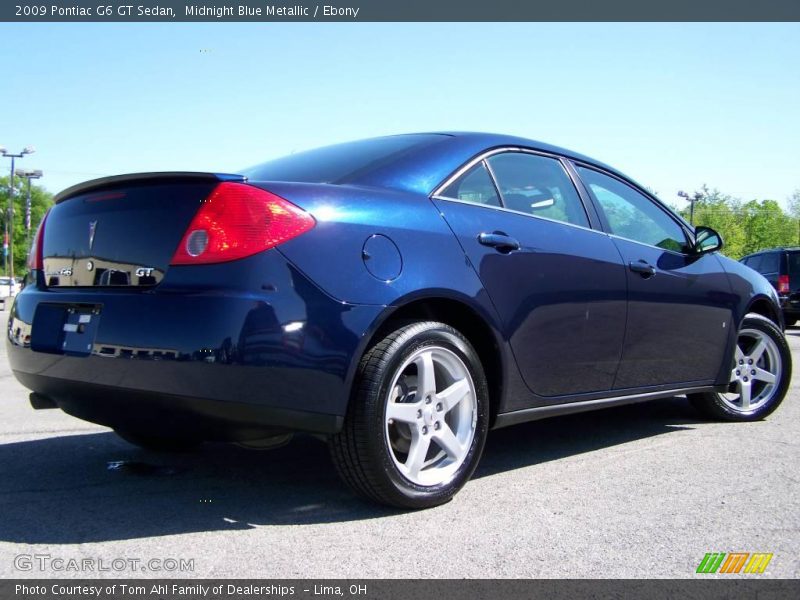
793, 258
537, 185
754, 262
770, 263
633, 215
474, 186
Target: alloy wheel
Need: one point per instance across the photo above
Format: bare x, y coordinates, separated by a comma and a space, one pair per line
430, 417
756, 371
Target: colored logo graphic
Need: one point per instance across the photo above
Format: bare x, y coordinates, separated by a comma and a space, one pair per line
734, 562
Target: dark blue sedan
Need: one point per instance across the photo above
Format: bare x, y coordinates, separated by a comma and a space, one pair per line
400, 295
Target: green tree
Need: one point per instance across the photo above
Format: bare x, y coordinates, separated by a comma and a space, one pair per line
721, 212
41, 200
767, 226
746, 227
794, 204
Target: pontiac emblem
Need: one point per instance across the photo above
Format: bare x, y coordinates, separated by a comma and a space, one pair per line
92, 230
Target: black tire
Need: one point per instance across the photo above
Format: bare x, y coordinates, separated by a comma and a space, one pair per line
363, 453
713, 404
158, 444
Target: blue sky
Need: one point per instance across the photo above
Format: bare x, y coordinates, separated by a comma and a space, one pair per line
672, 105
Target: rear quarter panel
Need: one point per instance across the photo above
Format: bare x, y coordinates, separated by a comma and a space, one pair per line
433, 263
331, 254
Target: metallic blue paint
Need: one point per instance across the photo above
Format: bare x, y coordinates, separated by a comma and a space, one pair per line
561, 298
275, 339
382, 258
255, 331
684, 311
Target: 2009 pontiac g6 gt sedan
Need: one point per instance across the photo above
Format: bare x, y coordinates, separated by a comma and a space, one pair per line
399, 295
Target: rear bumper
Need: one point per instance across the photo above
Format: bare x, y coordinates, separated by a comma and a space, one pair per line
226, 363
176, 416
790, 305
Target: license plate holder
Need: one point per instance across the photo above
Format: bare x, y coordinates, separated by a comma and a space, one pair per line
65, 328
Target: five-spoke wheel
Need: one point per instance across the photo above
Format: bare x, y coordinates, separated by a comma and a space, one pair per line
759, 379
430, 415
417, 421
416, 426
756, 371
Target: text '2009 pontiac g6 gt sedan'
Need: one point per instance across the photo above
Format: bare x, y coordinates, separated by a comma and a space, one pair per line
399, 295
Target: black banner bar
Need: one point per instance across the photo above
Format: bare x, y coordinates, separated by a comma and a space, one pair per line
399, 10
392, 589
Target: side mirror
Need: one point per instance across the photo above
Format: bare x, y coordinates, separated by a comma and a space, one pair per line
706, 240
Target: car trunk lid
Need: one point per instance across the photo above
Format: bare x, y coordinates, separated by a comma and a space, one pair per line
123, 230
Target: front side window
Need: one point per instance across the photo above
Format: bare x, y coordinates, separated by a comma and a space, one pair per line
538, 186
633, 215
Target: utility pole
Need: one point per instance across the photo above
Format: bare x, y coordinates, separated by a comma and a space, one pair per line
8, 240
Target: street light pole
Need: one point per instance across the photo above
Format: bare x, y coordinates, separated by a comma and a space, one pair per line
8, 242
690, 200
28, 174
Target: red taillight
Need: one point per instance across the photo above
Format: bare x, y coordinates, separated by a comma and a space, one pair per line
783, 284
35, 256
239, 220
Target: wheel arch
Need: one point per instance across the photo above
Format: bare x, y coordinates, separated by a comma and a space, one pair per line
762, 305
473, 322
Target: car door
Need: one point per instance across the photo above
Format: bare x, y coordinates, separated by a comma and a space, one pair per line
679, 303
558, 285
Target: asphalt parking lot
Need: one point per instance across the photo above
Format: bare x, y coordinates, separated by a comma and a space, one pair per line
638, 491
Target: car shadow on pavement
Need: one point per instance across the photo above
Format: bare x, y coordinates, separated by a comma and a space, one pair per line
556, 438
95, 487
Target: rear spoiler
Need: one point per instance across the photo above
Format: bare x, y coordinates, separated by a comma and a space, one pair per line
96, 185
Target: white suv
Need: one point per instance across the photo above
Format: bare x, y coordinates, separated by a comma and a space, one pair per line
8, 289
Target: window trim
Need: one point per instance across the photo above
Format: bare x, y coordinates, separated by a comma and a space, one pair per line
593, 225
493, 177
488, 171
687, 233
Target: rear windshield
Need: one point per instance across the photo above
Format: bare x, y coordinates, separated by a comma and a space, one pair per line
342, 163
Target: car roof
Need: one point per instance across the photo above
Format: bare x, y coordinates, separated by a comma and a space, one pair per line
428, 165
467, 138
421, 168
768, 250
